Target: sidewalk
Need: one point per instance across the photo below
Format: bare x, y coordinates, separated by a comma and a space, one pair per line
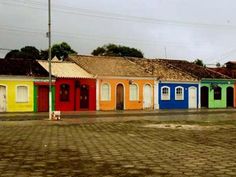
102, 114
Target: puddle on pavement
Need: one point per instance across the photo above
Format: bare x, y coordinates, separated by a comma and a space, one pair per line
179, 126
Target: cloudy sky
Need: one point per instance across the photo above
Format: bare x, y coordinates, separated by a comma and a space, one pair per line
185, 29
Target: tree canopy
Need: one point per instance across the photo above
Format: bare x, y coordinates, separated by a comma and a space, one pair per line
27, 52
117, 50
199, 62
61, 51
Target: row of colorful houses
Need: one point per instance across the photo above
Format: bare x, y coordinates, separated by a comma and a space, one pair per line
83, 83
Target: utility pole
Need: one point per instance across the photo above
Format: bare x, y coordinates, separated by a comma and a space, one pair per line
49, 59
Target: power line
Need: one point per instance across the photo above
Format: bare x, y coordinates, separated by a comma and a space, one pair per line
6, 49
89, 36
115, 16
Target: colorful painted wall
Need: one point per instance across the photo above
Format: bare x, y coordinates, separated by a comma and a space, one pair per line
74, 103
172, 103
223, 84
137, 104
11, 97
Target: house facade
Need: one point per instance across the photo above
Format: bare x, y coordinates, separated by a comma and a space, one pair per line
217, 93
121, 84
178, 95
16, 94
75, 89
125, 94
17, 84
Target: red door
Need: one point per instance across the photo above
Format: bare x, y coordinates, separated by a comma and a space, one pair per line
84, 97
43, 99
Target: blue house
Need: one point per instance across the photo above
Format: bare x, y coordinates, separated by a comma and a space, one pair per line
179, 95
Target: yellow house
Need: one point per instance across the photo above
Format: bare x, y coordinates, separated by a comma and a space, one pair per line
17, 84
121, 84
16, 94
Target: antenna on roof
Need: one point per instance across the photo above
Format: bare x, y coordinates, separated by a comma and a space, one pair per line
165, 52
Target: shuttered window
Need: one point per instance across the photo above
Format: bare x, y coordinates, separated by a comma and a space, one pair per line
217, 93
22, 94
64, 92
133, 92
105, 92
179, 93
165, 93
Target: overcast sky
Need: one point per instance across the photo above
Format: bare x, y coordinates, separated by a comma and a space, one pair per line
187, 29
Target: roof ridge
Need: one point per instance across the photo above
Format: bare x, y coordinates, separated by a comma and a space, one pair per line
179, 69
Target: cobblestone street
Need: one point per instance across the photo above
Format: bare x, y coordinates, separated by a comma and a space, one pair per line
132, 148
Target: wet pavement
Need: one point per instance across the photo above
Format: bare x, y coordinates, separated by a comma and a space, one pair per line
101, 114
134, 146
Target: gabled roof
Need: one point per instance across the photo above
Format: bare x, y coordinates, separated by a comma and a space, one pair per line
193, 69
65, 69
231, 62
22, 67
110, 66
163, 71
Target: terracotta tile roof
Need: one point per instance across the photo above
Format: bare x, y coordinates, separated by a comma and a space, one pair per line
22, 67
65, 69
193, 69
163, 71
226, 71
110, 66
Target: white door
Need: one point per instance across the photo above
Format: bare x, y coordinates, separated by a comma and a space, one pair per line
3, 99
192, 97
147, 96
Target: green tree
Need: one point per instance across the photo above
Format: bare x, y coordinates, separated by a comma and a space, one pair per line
218, 65
27, 52
199, 62
61, 51
117, 50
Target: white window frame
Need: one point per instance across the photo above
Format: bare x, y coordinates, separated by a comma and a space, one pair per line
137, 96
167, 96
17, 96
179, 97
109, 92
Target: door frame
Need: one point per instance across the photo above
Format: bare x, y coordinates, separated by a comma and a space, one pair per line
189, 97
4, 85
123, 92
151, 95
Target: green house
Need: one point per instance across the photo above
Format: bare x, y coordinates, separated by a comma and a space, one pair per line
217, 93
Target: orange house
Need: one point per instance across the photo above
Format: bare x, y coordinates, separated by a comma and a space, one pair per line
125, 94
121, 84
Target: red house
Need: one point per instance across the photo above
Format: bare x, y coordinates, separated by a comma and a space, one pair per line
75, 89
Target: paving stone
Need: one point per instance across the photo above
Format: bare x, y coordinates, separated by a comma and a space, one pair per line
115, 149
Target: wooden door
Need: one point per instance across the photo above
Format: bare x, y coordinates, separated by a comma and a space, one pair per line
3, 98
43, 99
192, 97
84, 97
204, 96
230, 97
147, 96
120, 97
